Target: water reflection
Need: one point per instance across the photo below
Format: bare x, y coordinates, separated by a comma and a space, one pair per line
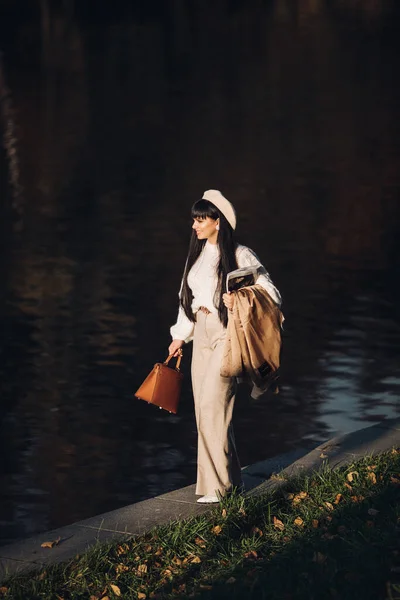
292, 110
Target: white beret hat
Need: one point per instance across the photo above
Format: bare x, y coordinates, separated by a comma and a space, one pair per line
216, 198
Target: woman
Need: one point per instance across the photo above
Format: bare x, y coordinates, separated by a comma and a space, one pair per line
203, 318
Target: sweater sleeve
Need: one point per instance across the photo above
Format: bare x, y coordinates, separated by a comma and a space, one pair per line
183, 328
248, 258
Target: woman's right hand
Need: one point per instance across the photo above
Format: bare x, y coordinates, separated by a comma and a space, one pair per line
174, 347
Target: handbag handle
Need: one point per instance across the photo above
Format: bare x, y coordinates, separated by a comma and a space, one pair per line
178, 361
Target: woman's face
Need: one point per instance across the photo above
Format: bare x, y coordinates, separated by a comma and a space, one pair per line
206, 229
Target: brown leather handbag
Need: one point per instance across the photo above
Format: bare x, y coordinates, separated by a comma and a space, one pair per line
162, 386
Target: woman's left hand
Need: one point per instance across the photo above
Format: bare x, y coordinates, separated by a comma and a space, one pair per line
229, 300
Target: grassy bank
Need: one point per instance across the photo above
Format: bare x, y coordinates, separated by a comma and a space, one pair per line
334, 534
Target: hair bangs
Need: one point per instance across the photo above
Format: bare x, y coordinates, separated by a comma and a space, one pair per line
203, 209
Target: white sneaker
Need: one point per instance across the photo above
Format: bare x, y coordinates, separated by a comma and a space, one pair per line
208, 499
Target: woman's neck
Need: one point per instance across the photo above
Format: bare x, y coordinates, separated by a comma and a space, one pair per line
213, 239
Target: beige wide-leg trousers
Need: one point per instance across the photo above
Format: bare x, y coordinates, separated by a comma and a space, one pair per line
218, 468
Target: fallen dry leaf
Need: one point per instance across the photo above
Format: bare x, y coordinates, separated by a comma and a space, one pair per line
371, 467
256, 531
223, 513
348, 486
93, 598
148, 548
357, 498
196, 560
230, 580
120, 568
277, 477
105, 598
115, 589
319, 558
322, 455
142, 569
315, 523
242, 511
299, 497
337, 499
299, 522
216, 530
329, 506
200, 542
289, 496
395, 451
51, 544
373, 512
251, 554
122, 549
167, 572
372, 477
177, 561
278, 524
286, 539
350, 476
141, 596
395, 480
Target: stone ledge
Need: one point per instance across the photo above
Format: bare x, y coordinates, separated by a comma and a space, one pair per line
340, 451
138, 518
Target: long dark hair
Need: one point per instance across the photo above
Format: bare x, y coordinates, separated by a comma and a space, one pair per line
227, 262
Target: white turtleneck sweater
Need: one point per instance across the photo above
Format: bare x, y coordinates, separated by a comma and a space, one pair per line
202, 280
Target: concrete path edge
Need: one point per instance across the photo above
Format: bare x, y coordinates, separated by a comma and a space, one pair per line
136, 519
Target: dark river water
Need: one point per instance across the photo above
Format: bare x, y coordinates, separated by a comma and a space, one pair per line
292, 109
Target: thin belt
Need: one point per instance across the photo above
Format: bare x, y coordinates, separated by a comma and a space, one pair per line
205, 310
